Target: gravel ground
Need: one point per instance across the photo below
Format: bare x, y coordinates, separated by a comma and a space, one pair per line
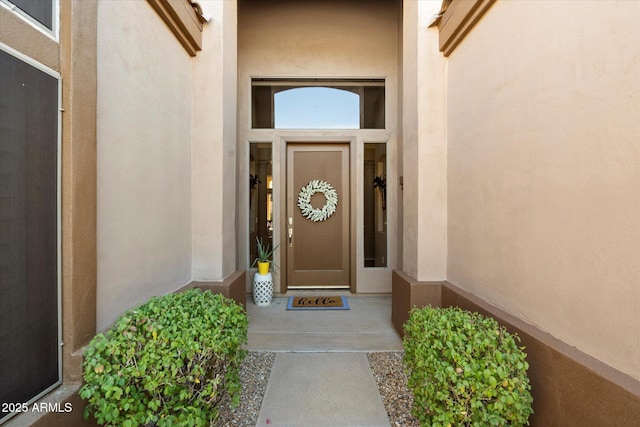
254, 375
388, 371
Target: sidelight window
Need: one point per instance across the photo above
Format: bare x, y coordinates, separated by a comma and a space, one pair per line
375, 205
260, 196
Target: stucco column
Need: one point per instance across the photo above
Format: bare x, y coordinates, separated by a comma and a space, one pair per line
213, 145
424, 153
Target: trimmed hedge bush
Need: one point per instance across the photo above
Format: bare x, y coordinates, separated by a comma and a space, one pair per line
465, 370
168, 362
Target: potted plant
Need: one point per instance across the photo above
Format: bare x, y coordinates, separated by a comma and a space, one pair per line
265, 256
262, 280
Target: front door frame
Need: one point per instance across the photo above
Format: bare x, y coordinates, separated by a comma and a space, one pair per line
339, 173
282, 220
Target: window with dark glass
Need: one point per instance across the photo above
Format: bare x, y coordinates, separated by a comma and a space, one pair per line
29, 326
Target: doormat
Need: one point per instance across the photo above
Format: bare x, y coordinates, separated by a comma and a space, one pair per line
318, 303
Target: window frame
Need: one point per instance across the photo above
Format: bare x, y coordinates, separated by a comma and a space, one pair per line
56, 75
53, 33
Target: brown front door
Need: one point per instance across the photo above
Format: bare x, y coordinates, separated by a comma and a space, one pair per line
317, 244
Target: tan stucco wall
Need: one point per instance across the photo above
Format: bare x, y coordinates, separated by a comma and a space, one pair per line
214, 145
144, 158
544, 170
18, 34
424, 146
318, 39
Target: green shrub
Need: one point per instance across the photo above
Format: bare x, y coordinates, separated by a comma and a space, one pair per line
465, 370
168, 362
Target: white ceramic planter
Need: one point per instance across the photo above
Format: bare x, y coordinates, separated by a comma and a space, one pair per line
262, 289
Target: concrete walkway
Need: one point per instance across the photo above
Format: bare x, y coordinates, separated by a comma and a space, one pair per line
321, 375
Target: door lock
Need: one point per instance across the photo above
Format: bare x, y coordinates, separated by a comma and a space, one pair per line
290, 237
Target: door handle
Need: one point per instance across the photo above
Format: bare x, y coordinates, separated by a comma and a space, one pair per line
290, 235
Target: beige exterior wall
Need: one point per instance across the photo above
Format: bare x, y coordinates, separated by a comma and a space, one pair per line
214, 145
544, 170
424, 146
344, 39
144, 158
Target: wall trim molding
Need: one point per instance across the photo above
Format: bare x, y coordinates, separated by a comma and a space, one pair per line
183, 21
456, 19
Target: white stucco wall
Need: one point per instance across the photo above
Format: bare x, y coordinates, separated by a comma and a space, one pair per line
342, 39
144, 158
214, 145
544, 170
